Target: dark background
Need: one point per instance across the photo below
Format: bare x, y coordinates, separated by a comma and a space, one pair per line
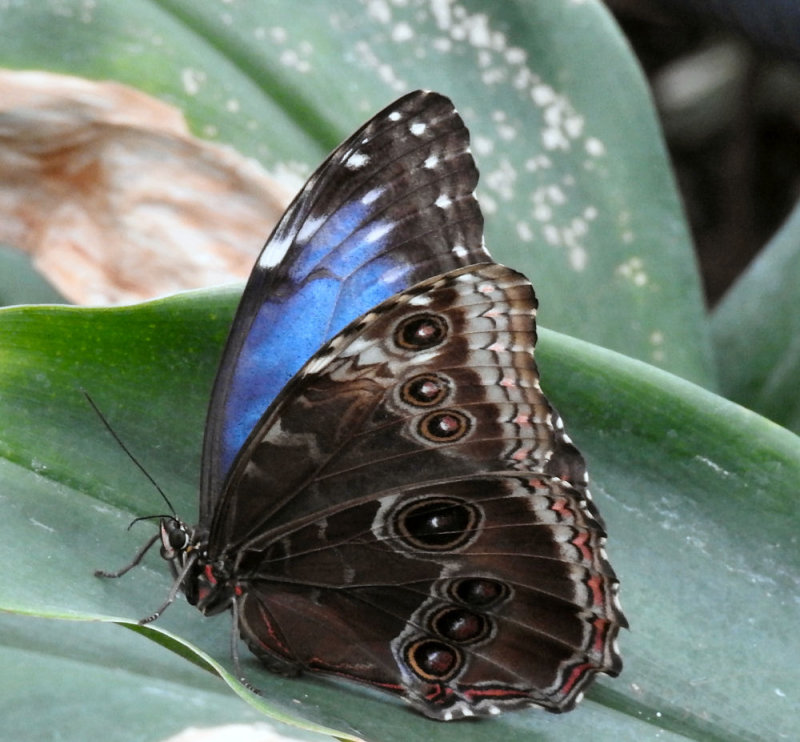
725, 76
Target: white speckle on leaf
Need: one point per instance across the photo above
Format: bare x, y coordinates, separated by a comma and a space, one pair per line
543, 95
402, 32
524, 231
556, 195
488, 204
516, 56
553, 139
379, 10
441, 12
633, 269
551, 234
482, 145
573, 125
578, 257
579, 227
192, 79
595, 147
386, 73
502, 179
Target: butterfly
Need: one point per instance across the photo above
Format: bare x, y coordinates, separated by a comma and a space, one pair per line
386, 494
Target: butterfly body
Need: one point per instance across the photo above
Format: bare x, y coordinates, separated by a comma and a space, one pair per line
401, 507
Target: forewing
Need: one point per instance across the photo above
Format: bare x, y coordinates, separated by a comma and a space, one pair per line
391, 206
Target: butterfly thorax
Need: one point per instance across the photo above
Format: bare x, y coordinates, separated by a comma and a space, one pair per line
207, 583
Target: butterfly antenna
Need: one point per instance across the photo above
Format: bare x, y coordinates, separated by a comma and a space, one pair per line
128, 452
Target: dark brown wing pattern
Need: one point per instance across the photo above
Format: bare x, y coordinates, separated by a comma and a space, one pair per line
411, 514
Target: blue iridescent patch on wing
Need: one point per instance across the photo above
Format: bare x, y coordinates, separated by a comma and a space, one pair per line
391, 206
285, 333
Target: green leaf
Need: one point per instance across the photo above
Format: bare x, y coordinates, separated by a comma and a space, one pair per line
575, 181
96, 681
680, 475
756, 331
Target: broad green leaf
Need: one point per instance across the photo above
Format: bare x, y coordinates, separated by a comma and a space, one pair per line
756, 331
575, 181
698, 495
93, 680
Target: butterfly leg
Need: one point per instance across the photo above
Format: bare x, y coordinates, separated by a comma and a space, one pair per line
177, 584
136, 559
237, 668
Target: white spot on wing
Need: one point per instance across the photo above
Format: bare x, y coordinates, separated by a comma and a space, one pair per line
356, 161
358, 346
378, 231
431, 162
371, 196
443, 201
273, 253
309, 228
418, 128
316, 365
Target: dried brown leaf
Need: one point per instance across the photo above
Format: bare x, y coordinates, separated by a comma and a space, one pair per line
114, 198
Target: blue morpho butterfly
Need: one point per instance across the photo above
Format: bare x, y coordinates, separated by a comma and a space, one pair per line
386, 494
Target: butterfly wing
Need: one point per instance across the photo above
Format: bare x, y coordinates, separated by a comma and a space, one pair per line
391, 206
411, 514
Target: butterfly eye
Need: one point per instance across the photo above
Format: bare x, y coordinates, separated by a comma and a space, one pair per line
420, 332
174, 538
179, 540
